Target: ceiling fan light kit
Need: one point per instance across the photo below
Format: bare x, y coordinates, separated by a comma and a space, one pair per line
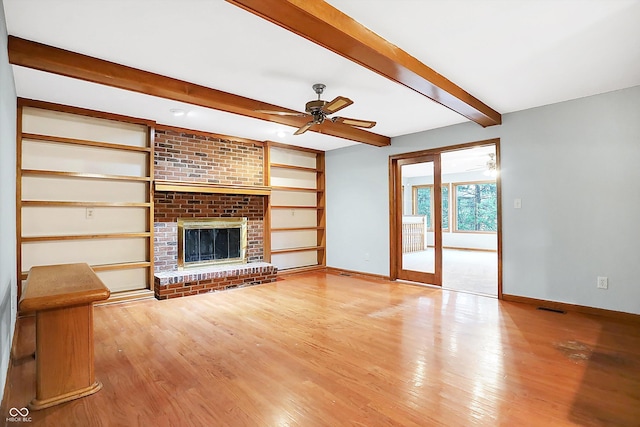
317, 110
492, 169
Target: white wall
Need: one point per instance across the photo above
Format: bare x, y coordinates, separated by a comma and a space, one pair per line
7, 204
576, 167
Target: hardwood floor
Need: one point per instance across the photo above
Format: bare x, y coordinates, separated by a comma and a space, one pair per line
326, 350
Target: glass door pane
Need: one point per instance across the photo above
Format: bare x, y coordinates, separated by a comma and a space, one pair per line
420, 225
417, 217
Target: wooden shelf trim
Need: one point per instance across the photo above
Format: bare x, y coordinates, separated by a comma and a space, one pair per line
302, 269
299, 168
296, 207
196, 187
56, 203
303, 249
108, 267
32, 239
301, 189
296, 228
123, 296
121, 266
109, 145
38, 172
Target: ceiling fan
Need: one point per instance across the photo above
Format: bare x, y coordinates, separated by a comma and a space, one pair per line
318, 110
490, 167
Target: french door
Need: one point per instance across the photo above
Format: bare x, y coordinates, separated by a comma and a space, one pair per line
416, 219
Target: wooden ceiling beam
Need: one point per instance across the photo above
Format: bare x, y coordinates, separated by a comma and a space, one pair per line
326, 26
63, 62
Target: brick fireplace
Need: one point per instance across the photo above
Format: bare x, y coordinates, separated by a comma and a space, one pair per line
171, 206
207, 159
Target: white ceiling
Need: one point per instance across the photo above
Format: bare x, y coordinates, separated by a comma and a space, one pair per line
512, 55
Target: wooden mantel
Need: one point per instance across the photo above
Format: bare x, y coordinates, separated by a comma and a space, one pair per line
201, 187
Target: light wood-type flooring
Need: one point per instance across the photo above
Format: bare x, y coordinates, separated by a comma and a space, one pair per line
462, 270
326, 350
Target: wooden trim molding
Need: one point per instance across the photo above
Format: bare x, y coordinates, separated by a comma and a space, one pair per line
344, 272
84, 175
299, 168
293, 147
618, 315
447, 148
19, 198
297, 189
98, 144
127, 296
266, 213
302, 249
54, 60
328, 27
299, 270
199, 187
32, 239
86, 204
296, 207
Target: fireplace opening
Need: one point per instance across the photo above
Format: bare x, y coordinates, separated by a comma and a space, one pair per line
205, 241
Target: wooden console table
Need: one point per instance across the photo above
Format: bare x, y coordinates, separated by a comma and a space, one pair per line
62, 297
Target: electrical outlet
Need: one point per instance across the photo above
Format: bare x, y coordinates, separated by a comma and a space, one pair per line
89, 213
517, 203
603, 282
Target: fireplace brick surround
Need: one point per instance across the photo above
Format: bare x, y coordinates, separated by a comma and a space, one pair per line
180, 156
170, 206
196, 158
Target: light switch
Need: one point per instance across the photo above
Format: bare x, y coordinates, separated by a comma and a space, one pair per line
517, 203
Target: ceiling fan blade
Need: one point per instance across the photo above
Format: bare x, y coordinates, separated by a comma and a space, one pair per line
337, 104
354, 122
303, 129
281, 113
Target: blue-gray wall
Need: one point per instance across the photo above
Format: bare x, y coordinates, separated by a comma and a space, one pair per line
576, 167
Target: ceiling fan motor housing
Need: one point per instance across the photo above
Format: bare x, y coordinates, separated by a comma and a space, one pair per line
315, 109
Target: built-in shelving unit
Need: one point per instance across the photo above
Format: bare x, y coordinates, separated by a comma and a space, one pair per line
85, 194
297, 207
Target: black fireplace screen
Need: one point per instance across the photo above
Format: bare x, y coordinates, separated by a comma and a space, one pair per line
210, 244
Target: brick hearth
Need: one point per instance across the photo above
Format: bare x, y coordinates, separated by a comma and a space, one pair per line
174, 284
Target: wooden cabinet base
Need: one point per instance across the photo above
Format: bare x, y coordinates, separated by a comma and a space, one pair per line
36, 403
64, 355
62, 297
